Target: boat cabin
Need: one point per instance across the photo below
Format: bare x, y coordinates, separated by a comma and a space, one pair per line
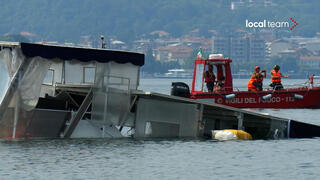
221, 69
46, 90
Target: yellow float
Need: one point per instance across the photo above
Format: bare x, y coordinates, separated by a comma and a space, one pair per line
230, 134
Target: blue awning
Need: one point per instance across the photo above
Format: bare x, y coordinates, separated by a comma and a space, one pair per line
81, 54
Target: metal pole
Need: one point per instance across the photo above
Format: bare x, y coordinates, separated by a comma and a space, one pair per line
103, 44
106, 101
16, 114
240, 121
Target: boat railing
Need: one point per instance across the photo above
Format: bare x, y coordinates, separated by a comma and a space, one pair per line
266, 87
117, 82
296, 85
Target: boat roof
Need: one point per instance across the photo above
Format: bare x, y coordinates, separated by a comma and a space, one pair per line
216, 61
82, 54
219, 60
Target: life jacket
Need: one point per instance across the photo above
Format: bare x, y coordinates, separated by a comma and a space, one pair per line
275, 76
252, 87
253, 79
209, 77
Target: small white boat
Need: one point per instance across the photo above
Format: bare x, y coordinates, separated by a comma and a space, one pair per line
176, 74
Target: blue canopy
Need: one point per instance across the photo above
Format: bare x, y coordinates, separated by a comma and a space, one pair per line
81, 54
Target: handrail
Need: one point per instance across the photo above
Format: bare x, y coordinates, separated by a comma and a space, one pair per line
122, 81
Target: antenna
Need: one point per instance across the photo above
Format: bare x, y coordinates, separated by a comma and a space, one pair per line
103, 44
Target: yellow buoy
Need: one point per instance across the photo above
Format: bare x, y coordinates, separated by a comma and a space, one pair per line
230, 134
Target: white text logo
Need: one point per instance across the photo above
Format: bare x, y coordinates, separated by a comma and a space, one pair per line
267, 24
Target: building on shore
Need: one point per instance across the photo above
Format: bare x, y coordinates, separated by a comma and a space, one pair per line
241, 48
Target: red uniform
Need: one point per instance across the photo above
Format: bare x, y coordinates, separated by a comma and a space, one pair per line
311, 80
210, 79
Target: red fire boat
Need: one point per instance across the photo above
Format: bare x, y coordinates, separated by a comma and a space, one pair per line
300, 97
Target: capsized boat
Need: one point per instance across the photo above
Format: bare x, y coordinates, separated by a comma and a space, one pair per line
71, 92
299, 97
50, 91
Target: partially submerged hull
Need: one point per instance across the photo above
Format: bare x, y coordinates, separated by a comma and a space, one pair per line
287, 98
35, 123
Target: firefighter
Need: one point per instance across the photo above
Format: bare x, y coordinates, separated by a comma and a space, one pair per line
311, 80
255, 83
210, 78
276, 78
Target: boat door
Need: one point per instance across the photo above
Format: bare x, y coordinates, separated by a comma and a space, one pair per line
224, 76
198, 76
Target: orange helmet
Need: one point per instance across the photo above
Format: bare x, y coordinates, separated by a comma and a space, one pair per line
256, 67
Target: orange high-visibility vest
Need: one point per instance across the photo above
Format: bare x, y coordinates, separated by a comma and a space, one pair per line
252, 87
275, 76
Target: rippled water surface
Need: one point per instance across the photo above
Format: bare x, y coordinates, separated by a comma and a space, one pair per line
159, 159
165, 158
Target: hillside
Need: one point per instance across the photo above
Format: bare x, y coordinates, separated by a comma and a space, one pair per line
126, 20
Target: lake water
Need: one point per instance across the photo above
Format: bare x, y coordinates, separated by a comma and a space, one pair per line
166, 158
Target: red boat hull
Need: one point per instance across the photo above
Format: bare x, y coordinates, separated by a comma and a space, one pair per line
286, 98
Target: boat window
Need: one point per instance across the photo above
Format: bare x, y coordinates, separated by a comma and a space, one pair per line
198, 86
49, 77
221, 74
73, 72
88, 74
